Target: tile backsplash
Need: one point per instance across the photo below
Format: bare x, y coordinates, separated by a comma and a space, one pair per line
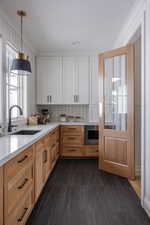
69, 110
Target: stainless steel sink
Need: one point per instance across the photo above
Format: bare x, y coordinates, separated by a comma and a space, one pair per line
26, 132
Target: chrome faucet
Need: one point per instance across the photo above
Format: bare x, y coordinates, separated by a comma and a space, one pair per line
9, 122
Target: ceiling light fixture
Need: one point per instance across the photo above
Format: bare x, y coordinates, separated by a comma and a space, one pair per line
21, 64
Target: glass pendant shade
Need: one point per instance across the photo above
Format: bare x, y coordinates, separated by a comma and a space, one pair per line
21, 65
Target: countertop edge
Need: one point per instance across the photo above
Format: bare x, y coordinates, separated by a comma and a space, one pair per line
18, 151
48, 130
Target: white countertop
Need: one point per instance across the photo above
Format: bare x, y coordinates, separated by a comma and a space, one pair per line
11, 145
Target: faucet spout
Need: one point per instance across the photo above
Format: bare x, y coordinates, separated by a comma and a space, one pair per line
10, 110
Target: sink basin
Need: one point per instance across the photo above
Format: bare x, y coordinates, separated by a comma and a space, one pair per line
26, 132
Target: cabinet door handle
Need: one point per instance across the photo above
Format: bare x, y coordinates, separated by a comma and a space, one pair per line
74, 98
45, 156
48, 98
23, 184
23, 159
77, 98
21, 218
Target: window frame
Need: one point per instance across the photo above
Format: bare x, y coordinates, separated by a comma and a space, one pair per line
21, 87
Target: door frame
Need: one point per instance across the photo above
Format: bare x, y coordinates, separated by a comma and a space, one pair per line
141, 28
138, 22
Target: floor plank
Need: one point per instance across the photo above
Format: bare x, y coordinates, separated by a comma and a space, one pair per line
77, 193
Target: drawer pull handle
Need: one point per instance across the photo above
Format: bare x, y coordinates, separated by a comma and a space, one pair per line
45, 156
72, 138
72, 150
24, 213
23, 184
23, 159
71, 128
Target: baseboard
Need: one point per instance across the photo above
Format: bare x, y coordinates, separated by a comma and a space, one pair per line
146, 206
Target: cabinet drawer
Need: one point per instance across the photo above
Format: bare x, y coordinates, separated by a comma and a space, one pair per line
72, 140
72, 151
18, 187
91, 151
21, 213
72, 130
19, 162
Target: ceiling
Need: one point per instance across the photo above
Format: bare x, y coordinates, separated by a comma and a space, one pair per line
53, 25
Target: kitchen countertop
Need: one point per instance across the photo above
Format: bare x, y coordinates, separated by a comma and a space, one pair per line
12, 145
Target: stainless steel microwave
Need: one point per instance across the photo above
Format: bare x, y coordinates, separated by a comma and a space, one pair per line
91, 135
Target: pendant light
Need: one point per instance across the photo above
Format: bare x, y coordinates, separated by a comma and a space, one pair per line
21, 64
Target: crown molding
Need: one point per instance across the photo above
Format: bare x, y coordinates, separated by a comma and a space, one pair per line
72, 53
132, 23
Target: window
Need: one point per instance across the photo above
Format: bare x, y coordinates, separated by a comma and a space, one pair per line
15, 85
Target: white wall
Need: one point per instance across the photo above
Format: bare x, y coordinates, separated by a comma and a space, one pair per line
140, 17
10, 35
147, 110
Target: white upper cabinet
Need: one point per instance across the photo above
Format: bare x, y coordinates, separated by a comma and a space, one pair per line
94, 80
49, 70
68, 77
82, 76
63, 80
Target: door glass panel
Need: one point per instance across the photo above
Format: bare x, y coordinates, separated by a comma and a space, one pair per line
115, 93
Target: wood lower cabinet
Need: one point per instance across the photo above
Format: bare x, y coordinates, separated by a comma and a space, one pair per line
1, 195
18, 187
72, 140
91, 150
46, 155
72, 143
54, 147
24, 177
72, 151
22, 211
42, 167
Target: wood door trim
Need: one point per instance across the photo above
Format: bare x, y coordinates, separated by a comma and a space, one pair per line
116, 52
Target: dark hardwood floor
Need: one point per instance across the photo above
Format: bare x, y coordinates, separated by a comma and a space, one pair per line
77, 193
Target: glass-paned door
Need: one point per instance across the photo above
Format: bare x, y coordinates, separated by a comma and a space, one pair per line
117, 114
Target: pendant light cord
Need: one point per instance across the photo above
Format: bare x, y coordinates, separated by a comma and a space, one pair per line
21, 34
